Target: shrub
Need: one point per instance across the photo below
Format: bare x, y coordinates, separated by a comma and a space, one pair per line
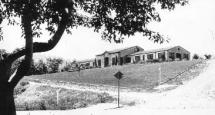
208, 56
20, 88
42, 105
24, 83
53, 64
195, 56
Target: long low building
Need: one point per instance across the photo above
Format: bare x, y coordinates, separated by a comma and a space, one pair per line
116, 57
163, 54
136, 54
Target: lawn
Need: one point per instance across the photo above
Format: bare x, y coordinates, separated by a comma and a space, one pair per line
135, 75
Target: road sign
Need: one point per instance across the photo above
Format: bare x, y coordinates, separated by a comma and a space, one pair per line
118, 75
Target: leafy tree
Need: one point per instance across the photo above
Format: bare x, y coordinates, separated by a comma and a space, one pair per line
67, 66
53, 64
115, 19
208, 56
40, 67
195, 56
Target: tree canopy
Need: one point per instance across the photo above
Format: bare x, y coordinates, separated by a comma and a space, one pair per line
114, 18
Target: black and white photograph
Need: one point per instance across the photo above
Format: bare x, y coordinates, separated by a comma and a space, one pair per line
107, 57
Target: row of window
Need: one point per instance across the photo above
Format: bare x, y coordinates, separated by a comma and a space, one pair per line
161, 56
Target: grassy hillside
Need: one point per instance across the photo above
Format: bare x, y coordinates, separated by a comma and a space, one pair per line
135, 75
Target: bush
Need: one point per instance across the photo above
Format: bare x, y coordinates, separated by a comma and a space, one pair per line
208, 56
67, 67
195, 56
53, 64
24, 83
20, 88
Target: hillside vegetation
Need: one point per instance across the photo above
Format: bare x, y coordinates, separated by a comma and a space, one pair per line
135, 75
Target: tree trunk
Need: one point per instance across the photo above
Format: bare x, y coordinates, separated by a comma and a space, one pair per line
7, 105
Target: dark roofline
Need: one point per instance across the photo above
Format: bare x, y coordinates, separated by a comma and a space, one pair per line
117, 50
155, 50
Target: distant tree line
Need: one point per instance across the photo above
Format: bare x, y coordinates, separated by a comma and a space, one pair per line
48, 65
207, 56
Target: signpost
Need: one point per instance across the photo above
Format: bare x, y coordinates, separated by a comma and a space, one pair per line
119, 76
159, 79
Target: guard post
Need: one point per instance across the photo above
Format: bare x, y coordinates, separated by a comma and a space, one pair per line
119, 76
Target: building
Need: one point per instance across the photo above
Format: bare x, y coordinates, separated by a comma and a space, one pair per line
164, 54
86, 64
116, 57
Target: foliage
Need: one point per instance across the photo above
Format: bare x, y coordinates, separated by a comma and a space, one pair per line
67, 67
208, 56
53, 64
40, 67
196, 56
115, 18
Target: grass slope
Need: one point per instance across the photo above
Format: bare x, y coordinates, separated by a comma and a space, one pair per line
135, 75
41, 97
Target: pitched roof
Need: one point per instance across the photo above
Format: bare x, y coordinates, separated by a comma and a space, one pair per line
153, 50
118, 50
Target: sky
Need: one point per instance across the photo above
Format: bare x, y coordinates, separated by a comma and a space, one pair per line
191, 26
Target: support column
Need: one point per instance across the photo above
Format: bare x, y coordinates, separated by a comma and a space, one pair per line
146, 57
166, 56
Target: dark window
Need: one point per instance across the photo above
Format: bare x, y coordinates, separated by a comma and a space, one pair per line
99, 63
186, 56
178, 55
150, 56
114, 61
143, 57
128, 60
137, 58
161, 56
172, 55
106, 62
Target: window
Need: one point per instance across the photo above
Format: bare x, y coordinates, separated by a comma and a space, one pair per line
137, 58
172, 55
186, 56
178, 55
114, 61
150, 56
99, 63
161, 56
128, 60
143, 57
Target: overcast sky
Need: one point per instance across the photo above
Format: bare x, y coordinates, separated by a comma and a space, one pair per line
191, 26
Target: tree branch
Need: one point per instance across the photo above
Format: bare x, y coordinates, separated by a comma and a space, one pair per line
43, 46
36, 47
